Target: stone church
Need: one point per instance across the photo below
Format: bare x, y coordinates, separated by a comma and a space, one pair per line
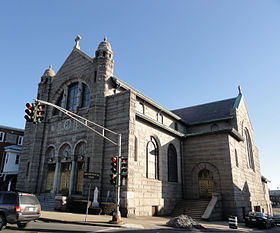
201, 158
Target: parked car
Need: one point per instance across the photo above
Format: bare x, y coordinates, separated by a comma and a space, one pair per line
260, 220
276, 219
18, 208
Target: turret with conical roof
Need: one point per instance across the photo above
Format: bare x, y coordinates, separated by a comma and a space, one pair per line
104, 50
105, 65
49, 72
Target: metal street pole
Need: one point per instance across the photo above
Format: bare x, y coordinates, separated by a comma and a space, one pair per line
117, 214
88, 201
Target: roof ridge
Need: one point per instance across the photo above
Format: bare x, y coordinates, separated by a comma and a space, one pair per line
198, 105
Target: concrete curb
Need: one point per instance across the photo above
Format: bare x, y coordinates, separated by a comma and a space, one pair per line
127, 225
80, 223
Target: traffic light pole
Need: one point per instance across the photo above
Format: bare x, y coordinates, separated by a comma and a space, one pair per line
118, 188
85, 122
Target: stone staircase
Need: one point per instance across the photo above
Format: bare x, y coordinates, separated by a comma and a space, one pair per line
47, 201
192, 208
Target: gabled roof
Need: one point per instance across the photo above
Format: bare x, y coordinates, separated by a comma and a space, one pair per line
74, 51
10, 128
219, 110
121, 83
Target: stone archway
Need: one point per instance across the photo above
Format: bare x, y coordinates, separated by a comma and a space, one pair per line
80, 152
65, 169
50, 155
206, 184
205, 176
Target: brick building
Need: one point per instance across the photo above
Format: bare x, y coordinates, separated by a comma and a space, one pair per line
204, 152
9, 138
275, 197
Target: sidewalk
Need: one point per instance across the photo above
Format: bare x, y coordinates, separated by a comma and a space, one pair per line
146, 222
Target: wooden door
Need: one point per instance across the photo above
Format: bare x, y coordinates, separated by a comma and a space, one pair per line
65, 178
205, 188
50, 177
80, 178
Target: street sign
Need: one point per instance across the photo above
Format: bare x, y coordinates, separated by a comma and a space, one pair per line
92, 175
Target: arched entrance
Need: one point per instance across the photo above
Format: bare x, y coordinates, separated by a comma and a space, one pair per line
65, 169
206, 184
50, 177
50, 155
80, 152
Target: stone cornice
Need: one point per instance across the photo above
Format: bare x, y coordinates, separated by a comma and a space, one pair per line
232, 131
162, 126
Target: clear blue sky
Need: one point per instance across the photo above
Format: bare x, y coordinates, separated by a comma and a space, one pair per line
179, 53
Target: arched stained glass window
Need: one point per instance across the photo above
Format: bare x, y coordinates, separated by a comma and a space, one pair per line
249, 150
172, 164
160, 118
135, 148
58, 103
141, 108
72, 97
86, 95
152, 159
236, 158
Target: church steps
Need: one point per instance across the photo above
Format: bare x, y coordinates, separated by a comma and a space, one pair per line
192, 208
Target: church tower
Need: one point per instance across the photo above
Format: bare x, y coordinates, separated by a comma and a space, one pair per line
104, 66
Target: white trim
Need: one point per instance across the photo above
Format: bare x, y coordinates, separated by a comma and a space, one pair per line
2, 136
20, 140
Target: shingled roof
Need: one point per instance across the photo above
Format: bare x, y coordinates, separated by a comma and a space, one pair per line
208, 112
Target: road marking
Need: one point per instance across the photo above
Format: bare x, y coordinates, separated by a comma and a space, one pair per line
107, 229
133, 226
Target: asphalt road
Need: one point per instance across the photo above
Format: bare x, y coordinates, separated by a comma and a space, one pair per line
40, 226
48, 227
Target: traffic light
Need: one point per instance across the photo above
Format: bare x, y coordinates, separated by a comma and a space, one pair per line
124, 168
114, 165
113, 179
39, 114
29, 112
114, 170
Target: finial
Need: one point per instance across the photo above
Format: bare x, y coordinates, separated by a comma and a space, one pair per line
78, 38
105, 38
239, 89
49, 72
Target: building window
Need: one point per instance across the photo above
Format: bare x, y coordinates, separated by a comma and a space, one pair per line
2, 135
88, 160
236, 158
160, 118
75, 97
20, 140
58, 103
17, 160
172, 164
72, 97
50, 154
95, 76
249, 150
27, 169
135, 148
152, 159
86, 95
176, 126
141, 108
11, 138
